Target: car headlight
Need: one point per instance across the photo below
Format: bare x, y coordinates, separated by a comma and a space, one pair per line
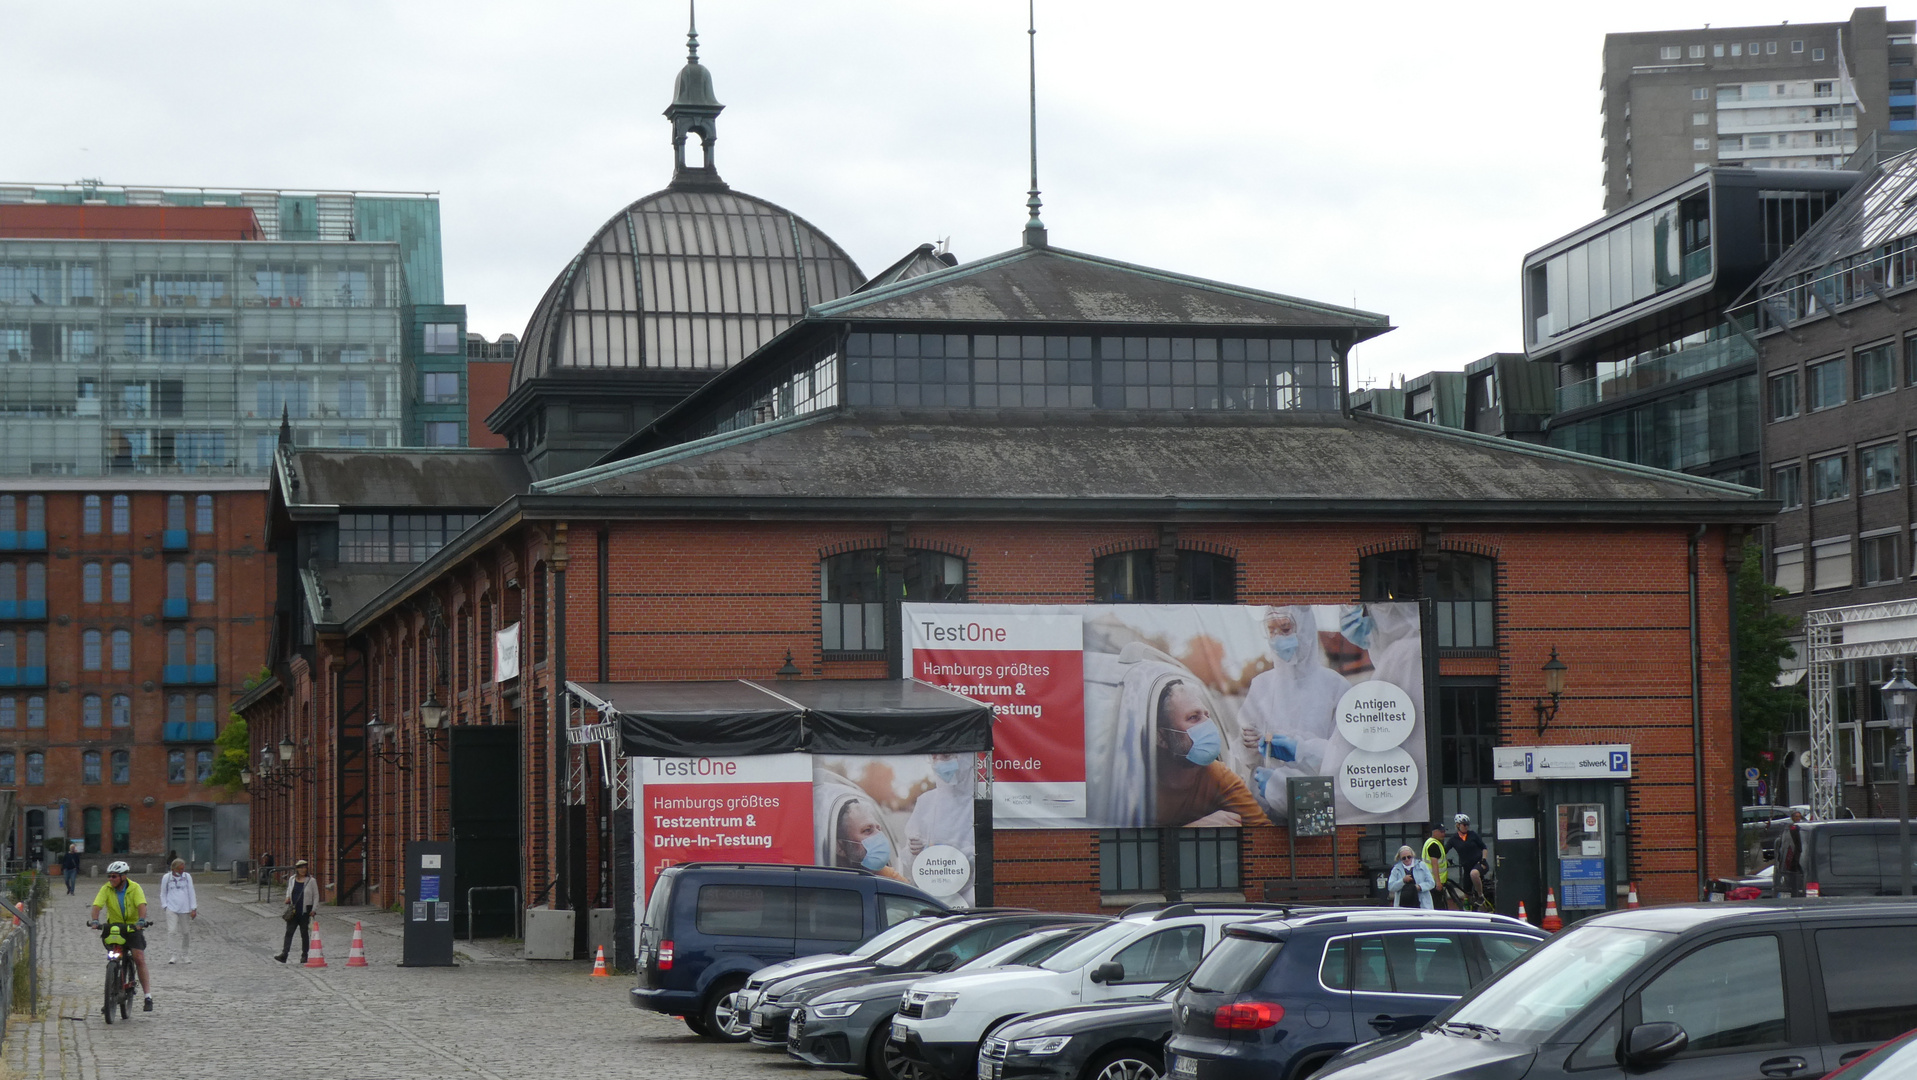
1051, 1044
835, 1010
937, 1005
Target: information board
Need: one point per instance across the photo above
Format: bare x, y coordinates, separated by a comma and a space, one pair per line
1312, 805
1581, 883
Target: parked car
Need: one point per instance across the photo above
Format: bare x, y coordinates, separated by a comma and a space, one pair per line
1777, 988
845, 1025
1280, 997
710, 925
956, 939
943, 1019
1122, 1039
748, 995
1854, 857
1895, 1060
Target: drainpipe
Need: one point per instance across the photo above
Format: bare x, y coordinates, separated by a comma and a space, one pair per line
1697, 715
562, 900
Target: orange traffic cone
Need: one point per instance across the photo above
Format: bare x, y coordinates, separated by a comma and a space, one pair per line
1551, 924
316, 958
1630, 898
599, 965
1522, 917
356, 954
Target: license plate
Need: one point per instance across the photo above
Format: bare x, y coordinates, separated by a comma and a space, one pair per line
756, 1017
792, 1027
987, 1070
1185, 1067
898, 1033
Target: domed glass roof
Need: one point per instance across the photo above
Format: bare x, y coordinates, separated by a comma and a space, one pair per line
683, 279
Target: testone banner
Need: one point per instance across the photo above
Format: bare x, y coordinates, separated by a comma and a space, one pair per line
1139, 715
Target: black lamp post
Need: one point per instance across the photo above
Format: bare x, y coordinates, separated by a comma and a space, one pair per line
1554, 670
1900, 700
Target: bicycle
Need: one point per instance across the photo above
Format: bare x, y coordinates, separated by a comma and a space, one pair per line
120, 970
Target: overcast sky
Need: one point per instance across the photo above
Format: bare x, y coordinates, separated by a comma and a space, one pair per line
1400, 156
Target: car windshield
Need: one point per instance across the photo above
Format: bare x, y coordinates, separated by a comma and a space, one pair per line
1080, 952
1011, 951
1534, 997
907, 951
893, 936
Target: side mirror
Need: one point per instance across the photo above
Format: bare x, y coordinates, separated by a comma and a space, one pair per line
942, 961
1649, 1044
1110, 971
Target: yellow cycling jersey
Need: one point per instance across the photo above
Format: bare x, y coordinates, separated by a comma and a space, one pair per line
110, 905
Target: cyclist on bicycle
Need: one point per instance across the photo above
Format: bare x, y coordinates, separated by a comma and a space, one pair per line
124, 902
1469, 850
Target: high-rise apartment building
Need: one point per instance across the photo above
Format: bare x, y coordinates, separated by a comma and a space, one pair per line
1789, 96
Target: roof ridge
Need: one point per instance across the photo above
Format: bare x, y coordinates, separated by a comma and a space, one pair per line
592, 473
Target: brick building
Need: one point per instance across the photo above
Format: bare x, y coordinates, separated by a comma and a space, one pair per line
134, 610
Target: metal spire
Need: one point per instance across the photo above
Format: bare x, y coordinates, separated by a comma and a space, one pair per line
692, 31
1034, 228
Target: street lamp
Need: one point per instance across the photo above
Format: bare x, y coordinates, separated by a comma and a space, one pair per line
1554, 670
431, 715
377, 732
286, 750
1900, 700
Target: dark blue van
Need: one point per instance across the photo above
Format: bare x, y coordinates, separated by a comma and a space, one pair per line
710, 925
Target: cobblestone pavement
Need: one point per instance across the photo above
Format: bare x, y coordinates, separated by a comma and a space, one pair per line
235, 1012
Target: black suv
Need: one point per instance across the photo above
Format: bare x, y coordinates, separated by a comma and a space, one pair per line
1774, 988
710, 925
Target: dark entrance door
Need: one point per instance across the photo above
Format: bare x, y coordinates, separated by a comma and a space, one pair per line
485, 803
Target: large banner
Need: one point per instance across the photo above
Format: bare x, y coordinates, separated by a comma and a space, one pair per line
1189, 715
904, 816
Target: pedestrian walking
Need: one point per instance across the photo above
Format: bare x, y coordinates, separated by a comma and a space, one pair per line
182, 906
70, 866
302, 896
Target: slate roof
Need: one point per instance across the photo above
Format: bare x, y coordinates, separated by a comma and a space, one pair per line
1237, 462
1041, 285
333, 594
404, 477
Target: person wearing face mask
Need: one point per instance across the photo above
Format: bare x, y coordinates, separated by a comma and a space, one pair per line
1290, 711
943, 815
1196, 788
863, 840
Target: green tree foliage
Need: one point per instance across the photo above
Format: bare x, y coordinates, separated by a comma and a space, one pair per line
1761, 648
230, 755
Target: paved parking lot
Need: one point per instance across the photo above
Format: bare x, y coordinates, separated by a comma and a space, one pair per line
234, 1012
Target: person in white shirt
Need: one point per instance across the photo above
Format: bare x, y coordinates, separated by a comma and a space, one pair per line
182, 906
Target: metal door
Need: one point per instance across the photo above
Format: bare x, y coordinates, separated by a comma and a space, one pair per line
189, 834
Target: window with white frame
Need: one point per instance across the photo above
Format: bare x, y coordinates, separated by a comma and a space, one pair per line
1700, 93
1670, 52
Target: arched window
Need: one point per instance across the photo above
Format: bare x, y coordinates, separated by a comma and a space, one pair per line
90, 514
203, 647
91, 830
36, 513
1463, 590
122, 828
36, 583
9, 582
122, 514
122, 767
203, 583
176, 709
176, 766
203, 514
122, 710
536, 622
36, 649
122, 583
90, 650
203, 709
463, 659
36, 712
852, 593
9, 514
176, 513
90, 767
202, 766
9, 649
9, 712
175, 647
486, 640
122, 650
90, 583
36, 767
176, 581
1131, 577
7, 775
90, 711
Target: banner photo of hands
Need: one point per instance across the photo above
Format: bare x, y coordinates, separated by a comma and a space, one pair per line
1141, 715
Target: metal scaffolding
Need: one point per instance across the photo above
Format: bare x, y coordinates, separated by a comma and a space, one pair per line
1832, 636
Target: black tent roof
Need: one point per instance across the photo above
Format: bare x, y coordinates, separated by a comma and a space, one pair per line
741, 718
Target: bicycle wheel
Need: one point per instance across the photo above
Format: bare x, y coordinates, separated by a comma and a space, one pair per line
113, 983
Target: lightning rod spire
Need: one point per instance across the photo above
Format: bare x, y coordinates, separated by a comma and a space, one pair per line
1034, 228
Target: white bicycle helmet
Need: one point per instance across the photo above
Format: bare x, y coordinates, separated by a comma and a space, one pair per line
117, 867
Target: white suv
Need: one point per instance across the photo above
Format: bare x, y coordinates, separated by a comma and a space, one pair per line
943, 1018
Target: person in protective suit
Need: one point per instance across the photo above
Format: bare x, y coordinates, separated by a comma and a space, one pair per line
1290, 711
1196, 789
944, 814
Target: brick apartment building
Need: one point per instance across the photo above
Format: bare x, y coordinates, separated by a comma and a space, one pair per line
134, 612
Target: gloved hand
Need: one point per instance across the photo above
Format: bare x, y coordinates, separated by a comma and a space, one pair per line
1279, 748
1261, 776
1357, 626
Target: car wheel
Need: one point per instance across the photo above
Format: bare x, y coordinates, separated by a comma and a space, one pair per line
1127, 1065
721, 1021
885, 1061
696, 1023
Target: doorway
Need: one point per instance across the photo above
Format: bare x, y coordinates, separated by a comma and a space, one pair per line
485, 806
189, 834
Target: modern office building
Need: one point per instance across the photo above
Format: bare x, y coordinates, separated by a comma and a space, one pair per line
1837, 336
165, 332
1502, 394
1790, 96
1631, 310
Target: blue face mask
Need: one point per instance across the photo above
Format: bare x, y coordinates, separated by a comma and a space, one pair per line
1357, 627
948, 771
1286, 646
878, 852
1206, 745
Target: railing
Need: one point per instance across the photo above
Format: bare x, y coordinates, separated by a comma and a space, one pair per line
1697, 359
1839, 284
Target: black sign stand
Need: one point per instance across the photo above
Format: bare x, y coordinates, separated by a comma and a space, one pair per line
428, 911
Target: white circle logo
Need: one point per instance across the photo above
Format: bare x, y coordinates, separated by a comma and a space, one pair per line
941, 870
1378, 782
1375, 715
